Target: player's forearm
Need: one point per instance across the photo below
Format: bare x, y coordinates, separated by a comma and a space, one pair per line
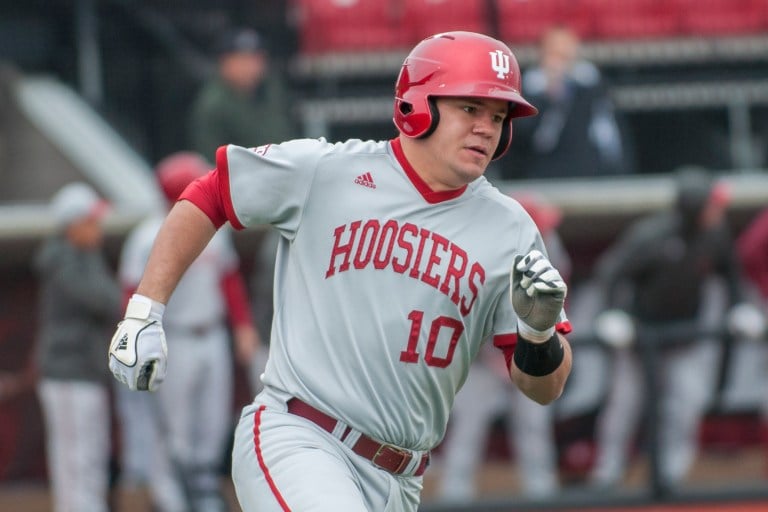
184, 234
547, 388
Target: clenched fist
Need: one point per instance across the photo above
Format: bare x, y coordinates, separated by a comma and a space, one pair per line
138, 352
537, 293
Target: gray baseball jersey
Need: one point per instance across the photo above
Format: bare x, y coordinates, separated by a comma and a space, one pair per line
384, 289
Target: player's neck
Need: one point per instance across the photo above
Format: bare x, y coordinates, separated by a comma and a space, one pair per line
425, 166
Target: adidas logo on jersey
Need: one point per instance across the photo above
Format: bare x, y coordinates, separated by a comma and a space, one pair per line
123, 343
365, 180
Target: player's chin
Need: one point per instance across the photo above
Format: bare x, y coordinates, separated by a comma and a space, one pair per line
472, 170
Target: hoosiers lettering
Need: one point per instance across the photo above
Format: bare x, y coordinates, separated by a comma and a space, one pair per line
407, 249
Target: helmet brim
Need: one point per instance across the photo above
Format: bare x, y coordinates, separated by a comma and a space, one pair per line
520, 107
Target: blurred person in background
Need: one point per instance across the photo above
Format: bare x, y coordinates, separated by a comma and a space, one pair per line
752, 246
489, 394
246, 102
79, 302
189, 416
675, 275
577, 131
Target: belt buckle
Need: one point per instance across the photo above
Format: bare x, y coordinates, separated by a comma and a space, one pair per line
405, 459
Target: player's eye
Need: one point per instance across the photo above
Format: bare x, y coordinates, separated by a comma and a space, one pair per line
470, 109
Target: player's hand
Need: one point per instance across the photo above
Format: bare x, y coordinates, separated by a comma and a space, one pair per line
538, 293
138, 352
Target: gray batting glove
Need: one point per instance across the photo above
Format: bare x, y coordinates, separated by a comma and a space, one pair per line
138, 352
538, 293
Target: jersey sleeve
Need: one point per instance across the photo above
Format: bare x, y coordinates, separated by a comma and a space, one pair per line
269, 184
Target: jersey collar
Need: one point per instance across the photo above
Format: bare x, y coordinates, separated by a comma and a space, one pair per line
426, 192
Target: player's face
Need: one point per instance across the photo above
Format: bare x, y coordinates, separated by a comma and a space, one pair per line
463, 144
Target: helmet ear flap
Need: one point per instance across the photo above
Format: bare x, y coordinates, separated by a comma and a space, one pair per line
434, 117
418, 123
404, 107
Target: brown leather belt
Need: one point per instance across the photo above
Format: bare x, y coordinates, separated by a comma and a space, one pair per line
386, 456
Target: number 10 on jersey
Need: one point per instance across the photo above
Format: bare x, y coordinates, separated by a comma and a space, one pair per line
411, 353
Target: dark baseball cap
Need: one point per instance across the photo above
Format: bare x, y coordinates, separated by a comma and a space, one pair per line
239, 40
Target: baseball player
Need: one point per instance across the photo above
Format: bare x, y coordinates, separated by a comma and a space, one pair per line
751, 246
673, 268
397, 261
194, 417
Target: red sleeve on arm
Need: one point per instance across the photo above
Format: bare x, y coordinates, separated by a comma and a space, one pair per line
233, 287
210, 193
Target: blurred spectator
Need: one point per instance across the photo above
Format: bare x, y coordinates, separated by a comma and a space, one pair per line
577, 131
79, 306
194, 415
752, 246
488, 394
245, 103
670, 283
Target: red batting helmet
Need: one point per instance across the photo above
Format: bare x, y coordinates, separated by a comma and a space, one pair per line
457, 64
178, 170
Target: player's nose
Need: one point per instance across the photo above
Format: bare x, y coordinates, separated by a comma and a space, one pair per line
485, 125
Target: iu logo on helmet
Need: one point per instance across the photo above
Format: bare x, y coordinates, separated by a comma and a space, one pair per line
500, 63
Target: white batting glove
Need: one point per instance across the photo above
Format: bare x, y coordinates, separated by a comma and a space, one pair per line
138, 353
537, 293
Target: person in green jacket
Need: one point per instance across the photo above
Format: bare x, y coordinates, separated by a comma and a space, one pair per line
245, 103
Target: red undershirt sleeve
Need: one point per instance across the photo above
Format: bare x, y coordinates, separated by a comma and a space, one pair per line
212, 195
204, 193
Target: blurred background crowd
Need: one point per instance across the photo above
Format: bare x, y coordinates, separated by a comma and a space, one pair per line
645, 170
